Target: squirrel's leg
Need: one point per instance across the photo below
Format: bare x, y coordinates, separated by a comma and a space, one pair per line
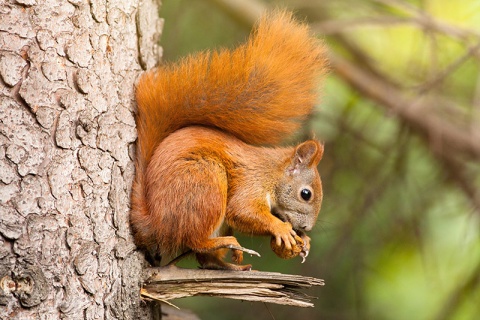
153, 256
262, 222
210, 253
204, 183
215, 260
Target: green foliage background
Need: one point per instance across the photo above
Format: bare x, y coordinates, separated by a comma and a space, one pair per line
398, 236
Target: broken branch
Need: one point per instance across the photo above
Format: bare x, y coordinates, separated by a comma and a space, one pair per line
171, 282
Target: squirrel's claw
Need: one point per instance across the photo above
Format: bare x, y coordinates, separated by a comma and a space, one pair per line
304, 255
306, 246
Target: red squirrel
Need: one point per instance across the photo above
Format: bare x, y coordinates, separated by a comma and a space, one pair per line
201, 168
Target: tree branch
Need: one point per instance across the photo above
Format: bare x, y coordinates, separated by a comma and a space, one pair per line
417, 113
167, 283
445, 139
428, 22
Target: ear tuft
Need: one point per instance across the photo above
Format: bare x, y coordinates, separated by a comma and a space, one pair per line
308, 153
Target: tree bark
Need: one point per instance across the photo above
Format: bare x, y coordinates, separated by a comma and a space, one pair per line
67, 129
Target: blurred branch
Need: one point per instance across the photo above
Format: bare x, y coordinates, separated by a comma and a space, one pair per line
330, 27
446, 141
416, 16
428, 22
417, 113
457, 172
171, 282
442, 75
335, 27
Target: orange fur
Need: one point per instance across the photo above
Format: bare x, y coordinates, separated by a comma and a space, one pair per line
191, 181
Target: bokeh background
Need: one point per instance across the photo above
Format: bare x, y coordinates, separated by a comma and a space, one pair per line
398, 236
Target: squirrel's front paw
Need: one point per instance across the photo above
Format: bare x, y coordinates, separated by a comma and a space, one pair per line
284, 233
300, 247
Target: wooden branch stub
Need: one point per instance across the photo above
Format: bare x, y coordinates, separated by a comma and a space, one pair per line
171, 282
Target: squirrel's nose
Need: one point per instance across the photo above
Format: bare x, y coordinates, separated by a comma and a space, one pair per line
306, 227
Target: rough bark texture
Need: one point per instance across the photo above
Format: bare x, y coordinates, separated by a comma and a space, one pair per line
67, 70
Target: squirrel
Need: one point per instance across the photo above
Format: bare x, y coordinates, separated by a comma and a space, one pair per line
202, 165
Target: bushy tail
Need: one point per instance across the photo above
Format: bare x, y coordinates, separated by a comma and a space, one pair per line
258, 92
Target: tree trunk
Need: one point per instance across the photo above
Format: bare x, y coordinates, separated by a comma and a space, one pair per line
67, 73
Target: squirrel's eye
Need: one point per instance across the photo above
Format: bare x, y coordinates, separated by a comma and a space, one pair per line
306, 194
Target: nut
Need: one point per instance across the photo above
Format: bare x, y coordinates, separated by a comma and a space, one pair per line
285, 253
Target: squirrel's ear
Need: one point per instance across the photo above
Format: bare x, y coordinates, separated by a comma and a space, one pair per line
308, 153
